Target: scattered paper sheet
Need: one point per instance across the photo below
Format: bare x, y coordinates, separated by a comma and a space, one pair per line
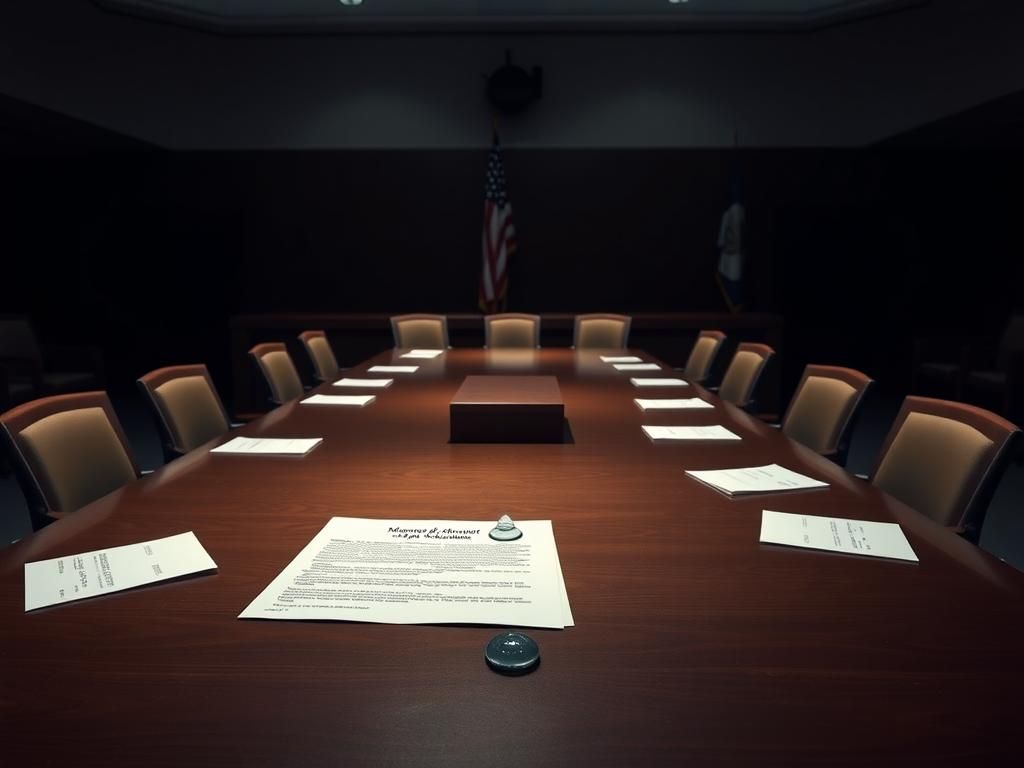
394, 368
363, 383
836, 534
269, 446
620, 359
424, 354
637, 367
356, 400
421, 572
671, 434
662, 404
75, 577
658, 383
766, 479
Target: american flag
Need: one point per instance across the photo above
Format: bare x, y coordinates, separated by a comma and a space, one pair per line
499, 235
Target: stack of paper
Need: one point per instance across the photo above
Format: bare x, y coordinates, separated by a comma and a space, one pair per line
658, 383
836, 534
663, 404
637, 367
269, 446
394, 368
620, 359
363, 383
766, 479
671, 434
357, 400
424, 354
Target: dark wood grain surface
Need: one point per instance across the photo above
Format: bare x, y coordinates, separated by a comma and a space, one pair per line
694, 644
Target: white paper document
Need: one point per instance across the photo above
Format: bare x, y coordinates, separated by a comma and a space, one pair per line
671, 434
766, 479
620, 359
394, 368
357, 400
836, 534
424, 354
637, 367
363, 383
269, 446
421, 572
658, 383
662, 404
74, 577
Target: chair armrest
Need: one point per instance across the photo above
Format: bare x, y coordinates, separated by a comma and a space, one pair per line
236, 424
859, 476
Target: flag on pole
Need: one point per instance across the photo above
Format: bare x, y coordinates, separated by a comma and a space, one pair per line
499, 235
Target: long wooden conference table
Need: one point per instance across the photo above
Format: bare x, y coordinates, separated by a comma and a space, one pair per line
693, 645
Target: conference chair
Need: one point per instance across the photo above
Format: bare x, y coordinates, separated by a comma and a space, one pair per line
67, 451
33, 370
994, 378
743, 373
420, 331
601, 331
325, 364
702, 356
512, 330
824, 409
186, 407
278, 370
944, 459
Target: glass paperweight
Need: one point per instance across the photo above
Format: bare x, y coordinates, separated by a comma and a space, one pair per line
512, 653
505, 530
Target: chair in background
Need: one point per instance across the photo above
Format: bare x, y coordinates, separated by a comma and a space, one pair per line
512, 330
278, 370
34, 371
824, 409
1003, 374
944, 459
601, 331
744, 371
702, 356
325, 364
420, 331
67, 451
186, 407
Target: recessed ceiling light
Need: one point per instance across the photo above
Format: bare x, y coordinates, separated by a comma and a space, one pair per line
360, 2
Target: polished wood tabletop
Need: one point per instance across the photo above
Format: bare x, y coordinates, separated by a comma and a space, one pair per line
694, 644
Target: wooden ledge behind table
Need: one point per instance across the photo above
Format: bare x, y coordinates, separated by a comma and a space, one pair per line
357, 336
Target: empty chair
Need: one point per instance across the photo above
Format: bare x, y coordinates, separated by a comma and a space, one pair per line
67, 451
702, 356
32, 370
945, 459
186, 407
601, 331
743, 373
824, 408
420, 331
325, 364
278, 370
512, 330
995, 385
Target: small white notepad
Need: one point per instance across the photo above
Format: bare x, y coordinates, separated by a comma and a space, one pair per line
637, 367
363, 383
394, 368
357, 400
836, 534
658, 383
75, 577
424, 354
663, 404
766, 479
622, 359
269, 446
671, 434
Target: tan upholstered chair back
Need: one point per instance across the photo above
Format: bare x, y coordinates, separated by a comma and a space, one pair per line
743, 372
943, 459
601, 331
512, 330
823, 407
420, 331
702, 356
325, 364
69, 450
187, 409
277, 368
